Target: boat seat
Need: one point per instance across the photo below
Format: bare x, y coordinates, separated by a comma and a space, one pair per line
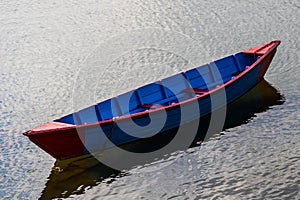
173, 99
157, 104
148, 106
196, 91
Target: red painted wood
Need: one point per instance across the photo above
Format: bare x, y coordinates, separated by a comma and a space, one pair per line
265, 65
49, 126
262, 49
60, 143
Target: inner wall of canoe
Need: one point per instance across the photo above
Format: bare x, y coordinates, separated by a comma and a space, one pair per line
170, 90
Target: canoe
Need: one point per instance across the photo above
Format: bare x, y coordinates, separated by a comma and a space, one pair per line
110, 123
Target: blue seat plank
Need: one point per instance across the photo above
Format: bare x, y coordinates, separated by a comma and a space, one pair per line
199, 77
196, 91
237, 63
128, 102
175, 85
108, 109
151, 93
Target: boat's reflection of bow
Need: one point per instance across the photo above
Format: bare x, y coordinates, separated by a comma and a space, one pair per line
74, 176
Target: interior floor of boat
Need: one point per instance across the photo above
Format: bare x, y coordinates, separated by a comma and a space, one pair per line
174, 89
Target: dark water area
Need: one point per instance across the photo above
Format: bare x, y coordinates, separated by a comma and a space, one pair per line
46, 48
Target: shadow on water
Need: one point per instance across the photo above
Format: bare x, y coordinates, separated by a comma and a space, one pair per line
76, 175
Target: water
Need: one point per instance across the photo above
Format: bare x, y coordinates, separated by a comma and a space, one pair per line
45, 45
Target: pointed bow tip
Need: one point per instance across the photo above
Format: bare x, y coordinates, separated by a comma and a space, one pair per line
48, 127
26, 133
263, 49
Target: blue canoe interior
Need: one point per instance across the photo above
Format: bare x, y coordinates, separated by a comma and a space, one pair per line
174, 89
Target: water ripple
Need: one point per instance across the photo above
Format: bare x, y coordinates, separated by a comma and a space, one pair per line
44, 43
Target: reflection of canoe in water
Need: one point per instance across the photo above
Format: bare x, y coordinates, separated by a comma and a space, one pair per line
100, 127
73, 176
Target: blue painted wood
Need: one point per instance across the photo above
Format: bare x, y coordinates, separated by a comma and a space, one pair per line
166, 91
237, 63
68, 119
87, 116
227, 67
128, 102
175, 85
108, 109
245, 60
200, 77
139, 97
151, 93
241, 86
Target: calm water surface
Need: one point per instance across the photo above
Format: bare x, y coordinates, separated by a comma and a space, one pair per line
44, 45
